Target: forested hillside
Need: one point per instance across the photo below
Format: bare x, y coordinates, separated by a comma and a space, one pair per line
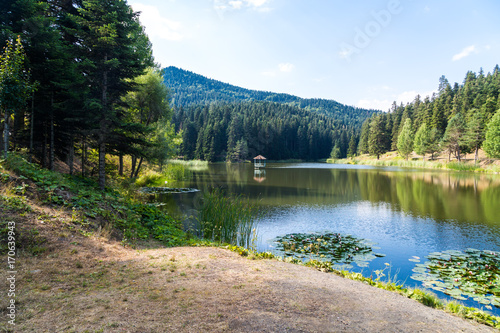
188, 88
457, 119
240, 131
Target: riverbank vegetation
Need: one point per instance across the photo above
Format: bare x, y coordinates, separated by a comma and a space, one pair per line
440, 162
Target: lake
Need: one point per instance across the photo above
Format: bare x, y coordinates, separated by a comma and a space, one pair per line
406, 212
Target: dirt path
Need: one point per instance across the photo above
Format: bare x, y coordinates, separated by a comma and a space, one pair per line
86, 285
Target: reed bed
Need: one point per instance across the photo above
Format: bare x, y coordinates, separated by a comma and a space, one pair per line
225, 219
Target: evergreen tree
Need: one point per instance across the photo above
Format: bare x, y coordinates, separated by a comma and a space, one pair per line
453, 138
115, 50
377, 138
405, 140
15, 85
491, 144
363, 146
353, 146
434, 146
335, 154
474, 134
422, 140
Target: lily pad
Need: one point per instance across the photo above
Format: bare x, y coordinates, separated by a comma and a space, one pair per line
470, 274
335, 247
159, 190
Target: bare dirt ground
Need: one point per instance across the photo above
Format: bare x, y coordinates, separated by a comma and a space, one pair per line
88, 284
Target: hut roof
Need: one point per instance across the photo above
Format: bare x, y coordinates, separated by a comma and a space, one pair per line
260, 157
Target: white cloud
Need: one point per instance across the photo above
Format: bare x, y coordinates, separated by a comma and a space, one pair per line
464, 53
156, 25
256, 3
225, 5
386, 103
236, 4
286, 67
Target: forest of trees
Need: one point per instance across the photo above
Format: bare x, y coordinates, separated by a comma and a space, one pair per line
240, 131
458, 119
91, 86
188, 88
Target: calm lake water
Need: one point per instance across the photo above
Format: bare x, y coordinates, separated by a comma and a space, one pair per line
406, 212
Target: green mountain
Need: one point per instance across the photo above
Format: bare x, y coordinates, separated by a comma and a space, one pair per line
188, 89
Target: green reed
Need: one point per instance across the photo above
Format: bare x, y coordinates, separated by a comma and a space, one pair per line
227, 219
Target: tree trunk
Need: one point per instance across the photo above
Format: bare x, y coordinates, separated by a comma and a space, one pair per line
6, 134
476, 155
120, 160
52, 148
102, 164
32, 126
44, 146
103, 130
134, 161
71, 155
83, 157
138, 167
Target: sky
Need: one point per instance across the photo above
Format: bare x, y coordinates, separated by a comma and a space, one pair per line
361, 53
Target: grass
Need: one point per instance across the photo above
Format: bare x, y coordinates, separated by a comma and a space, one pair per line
172, 172
227, 220
427, 164
90, 207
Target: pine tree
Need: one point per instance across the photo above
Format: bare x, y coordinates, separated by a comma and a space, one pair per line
434, 144
405, 140
377, 137
422, 140
115, 50
453, 138
353, 146
474, 134
15, 85
491, 144
363, 146
335, 154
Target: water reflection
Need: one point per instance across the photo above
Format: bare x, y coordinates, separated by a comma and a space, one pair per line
438, 195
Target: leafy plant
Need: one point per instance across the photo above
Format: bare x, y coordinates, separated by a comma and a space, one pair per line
471, 274
335, 247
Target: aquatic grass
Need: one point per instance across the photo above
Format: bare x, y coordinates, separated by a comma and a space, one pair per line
171, 173
148, 178
193, 165
227, 219
460, 166
176, 172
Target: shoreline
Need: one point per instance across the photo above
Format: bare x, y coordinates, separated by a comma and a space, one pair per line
484, 165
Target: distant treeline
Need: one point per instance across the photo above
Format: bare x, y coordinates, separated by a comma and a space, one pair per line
188, 89
240, 131
454, 120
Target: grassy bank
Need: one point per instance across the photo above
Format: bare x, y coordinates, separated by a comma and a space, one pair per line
392, 159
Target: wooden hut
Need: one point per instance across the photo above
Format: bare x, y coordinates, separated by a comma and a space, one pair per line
259, 162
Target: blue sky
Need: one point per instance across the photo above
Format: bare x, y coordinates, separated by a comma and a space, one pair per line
361, 53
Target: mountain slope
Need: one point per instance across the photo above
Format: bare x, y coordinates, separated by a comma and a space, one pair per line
189, 88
